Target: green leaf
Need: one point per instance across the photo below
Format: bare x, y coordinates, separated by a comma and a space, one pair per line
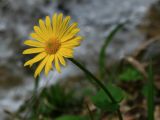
116, 92
130, 74
71, 117
102, 101
104, 47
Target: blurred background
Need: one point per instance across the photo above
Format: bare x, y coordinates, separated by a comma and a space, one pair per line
96, 19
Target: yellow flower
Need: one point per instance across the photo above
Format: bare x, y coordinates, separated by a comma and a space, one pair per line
52, 41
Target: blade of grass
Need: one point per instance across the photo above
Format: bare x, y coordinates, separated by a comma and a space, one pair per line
150, 96
104, 47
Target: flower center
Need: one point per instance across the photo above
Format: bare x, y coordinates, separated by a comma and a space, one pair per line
52, 45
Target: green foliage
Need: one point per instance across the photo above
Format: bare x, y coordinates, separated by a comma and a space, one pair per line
150, 95
87, 91
108, 40
52, 102
71, 117
103, 102
130, 74
57, 96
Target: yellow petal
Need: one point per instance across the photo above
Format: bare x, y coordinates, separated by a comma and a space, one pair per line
72, 42
40, 33
33, 43
36, 37
49, 64
66, 21
57, 64
68, 31
59, 23
71, 34
33, 50
42, 26
61, 59
48, 25
66, 52
72, 27
54, 23
64, 26
40, 67
75, 31
36, 59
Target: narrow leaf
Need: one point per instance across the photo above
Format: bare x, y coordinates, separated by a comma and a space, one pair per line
104, 47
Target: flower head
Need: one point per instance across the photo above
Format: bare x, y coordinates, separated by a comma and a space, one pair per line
52, 41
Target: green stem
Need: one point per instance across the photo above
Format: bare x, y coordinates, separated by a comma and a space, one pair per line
98, 82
